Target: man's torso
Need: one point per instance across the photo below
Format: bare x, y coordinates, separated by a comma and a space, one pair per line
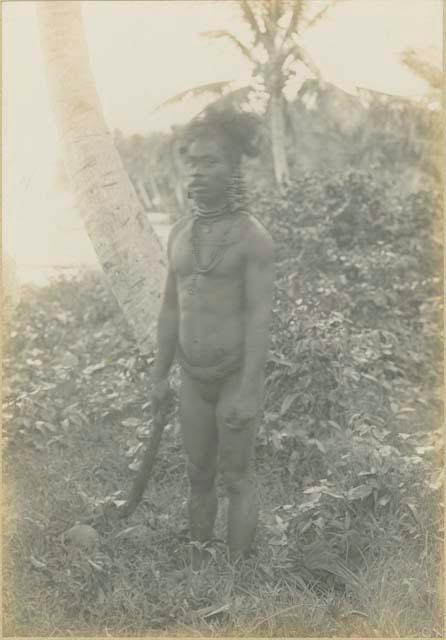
211, 304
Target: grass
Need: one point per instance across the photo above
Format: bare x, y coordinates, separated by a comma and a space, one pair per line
140, 582
137, 581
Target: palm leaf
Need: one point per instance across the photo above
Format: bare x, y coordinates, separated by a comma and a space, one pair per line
230, 36
320, 14
235, 97
211, 88
318, 556
303, 56
250, 18
277, 9
420, 64
298, 7
271, 14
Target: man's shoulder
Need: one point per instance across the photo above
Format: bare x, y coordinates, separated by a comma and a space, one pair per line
180, 224
255, 227
257, 237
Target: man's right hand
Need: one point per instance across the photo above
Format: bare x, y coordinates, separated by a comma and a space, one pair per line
161, 395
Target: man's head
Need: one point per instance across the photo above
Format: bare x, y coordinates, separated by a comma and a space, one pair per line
213, 149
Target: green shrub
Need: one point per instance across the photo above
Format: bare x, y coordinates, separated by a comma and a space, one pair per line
354, 375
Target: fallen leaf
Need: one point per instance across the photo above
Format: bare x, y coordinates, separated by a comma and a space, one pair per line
95, 565
131, 422
209, 612
37, 564
94, 368
360, 492
124, 532
287, 402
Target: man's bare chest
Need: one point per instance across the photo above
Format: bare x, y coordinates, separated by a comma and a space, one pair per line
214, 251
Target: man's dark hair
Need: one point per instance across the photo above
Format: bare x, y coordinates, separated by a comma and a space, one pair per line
237, 130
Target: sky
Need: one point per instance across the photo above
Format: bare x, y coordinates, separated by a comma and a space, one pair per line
141, 54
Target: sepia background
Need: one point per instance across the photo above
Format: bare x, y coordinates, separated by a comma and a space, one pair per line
349, 186
357, 45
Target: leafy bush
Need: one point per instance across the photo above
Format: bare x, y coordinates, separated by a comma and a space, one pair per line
354, 374
358, 292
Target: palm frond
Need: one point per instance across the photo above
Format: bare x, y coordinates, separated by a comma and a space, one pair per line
320, 14
298, 7
277, 9
211, 88
299, 53
424, 68
235, 97
230, 36
271, 13
318, 556
250, 18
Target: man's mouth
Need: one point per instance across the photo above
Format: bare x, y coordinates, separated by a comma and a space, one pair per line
198, 188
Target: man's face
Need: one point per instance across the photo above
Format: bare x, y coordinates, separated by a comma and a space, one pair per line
210, 171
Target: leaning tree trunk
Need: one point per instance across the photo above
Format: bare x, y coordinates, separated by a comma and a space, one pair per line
127, 247
278, 141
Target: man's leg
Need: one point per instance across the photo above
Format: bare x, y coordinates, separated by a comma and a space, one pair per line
200, 438
237, 461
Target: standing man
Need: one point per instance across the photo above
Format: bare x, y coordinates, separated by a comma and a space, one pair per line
215, 318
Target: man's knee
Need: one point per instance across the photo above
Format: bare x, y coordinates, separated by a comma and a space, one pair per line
236, 481
201, 478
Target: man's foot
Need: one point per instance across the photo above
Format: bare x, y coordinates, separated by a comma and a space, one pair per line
201, 556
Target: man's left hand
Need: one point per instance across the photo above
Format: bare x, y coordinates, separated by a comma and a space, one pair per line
243, 408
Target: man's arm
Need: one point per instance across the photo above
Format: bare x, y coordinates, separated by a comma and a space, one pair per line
259, 282
167, 327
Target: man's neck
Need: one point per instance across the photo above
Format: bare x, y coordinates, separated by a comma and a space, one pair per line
212, 210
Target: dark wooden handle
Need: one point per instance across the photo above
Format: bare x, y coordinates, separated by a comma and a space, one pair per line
145, 470
149, 457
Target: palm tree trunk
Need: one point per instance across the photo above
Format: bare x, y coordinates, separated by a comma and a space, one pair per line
277, 123
127, 248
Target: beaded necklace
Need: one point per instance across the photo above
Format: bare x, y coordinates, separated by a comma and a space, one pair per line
206, 218
218, 247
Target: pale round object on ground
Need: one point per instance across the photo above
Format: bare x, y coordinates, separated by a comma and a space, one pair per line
82, 536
